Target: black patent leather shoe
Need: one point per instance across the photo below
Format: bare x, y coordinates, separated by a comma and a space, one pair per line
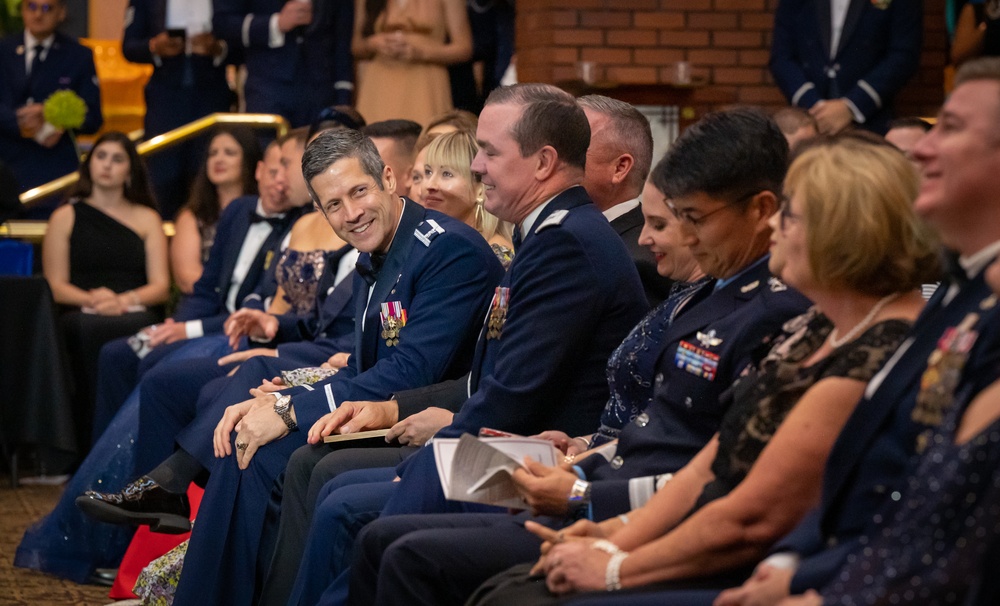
141, 502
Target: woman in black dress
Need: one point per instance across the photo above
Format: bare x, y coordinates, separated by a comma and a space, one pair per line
105, 258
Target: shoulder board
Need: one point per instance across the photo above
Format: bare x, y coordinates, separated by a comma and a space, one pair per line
427, 231
556, 218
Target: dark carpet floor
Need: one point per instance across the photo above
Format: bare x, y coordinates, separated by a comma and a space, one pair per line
18, 509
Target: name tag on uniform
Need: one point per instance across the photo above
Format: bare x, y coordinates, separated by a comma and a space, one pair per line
697, 361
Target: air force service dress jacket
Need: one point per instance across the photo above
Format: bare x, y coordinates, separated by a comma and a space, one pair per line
710, 342
437, 280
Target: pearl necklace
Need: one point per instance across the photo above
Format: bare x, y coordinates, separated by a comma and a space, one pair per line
865, 321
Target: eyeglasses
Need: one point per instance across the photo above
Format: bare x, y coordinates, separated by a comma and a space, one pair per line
684, 216
38, 6
785, 214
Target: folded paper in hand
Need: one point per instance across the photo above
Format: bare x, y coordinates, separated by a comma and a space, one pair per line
478, 470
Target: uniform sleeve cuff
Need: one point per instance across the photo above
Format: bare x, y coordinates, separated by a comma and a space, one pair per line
808, 86
275, 37
858, 116
330, 400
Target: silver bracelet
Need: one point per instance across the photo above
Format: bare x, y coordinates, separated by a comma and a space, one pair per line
612, 574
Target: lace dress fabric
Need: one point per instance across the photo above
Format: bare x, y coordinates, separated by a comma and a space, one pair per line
504, 253
298, 274
763, 397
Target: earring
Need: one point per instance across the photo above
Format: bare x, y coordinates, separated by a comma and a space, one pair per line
479, 215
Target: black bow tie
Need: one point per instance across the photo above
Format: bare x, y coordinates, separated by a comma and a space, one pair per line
954, 272
370, 268
275, 222
515, 238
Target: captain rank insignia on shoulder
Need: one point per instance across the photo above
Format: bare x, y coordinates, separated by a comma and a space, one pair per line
498, 312
393, 318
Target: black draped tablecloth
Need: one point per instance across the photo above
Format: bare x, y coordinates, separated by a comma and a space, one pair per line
35, 407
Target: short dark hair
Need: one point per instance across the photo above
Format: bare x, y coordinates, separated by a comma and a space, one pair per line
727, 155
981, 68
403, 132
629, 129
551, 116
336, 116
910, 122
334, 145
136, 189
300, 135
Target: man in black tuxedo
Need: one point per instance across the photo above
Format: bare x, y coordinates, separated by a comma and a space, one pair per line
618, 161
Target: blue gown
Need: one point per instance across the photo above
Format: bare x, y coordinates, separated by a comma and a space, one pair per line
71, 545
930, 542
68, 543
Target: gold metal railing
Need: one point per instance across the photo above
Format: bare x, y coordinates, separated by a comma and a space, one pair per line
34, 231
168, 139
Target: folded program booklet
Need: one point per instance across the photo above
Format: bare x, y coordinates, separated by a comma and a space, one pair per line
478, 470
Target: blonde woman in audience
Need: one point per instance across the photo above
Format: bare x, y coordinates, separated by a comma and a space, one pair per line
447, 122
228, 173
448, 186
762, 472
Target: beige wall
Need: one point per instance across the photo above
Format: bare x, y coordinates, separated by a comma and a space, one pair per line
106, 18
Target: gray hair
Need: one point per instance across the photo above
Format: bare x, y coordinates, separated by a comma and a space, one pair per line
630, 132
333, 146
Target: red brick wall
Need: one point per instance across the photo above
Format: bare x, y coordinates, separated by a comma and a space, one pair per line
725, 41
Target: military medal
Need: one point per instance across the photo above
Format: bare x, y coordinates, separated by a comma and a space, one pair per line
393, 318
697, 361
944, 369
498, 312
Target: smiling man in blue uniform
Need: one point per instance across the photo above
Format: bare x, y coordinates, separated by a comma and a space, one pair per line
721, 176
424, 278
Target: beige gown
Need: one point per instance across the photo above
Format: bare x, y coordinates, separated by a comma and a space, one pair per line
388, 88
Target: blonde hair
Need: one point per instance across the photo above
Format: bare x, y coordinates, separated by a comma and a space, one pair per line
861, 230
456, 151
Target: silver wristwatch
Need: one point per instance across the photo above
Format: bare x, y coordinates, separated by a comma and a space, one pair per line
283, 408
